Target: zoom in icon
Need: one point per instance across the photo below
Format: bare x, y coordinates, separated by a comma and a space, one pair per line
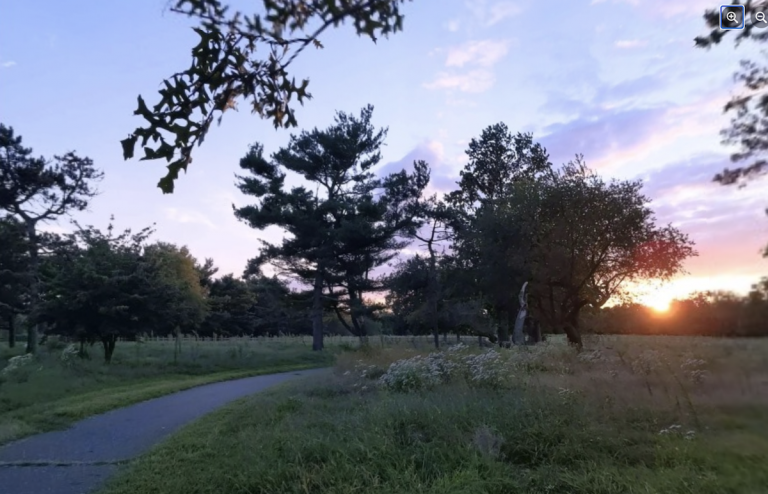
732, 17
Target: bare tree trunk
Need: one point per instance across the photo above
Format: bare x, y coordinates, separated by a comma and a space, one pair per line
317, 312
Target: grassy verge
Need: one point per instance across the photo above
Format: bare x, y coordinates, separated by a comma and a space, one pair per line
619, 424
62, 413
49, 394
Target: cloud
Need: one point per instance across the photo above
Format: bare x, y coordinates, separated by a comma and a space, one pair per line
727, 224
629, 43
442, 176
502, 10
598, 135
188, 216
490, 14
478, 57
475, 81
484, 53
611, 135
8, 64
453, 25
664, 9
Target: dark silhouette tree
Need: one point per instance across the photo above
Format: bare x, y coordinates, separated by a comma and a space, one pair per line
37, 190
587, 239
14, 274
341, 231
496, 161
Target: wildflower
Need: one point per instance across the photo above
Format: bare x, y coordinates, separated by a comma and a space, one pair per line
15, 363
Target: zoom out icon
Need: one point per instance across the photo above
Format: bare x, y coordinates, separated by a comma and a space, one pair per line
732, 17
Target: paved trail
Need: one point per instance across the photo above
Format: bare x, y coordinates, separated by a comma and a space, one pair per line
79, 459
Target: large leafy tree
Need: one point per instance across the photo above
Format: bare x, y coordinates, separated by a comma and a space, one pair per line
497, 160
340, 228
39, 190
244, 56
587, 240
99, 287
232, 307
181, 302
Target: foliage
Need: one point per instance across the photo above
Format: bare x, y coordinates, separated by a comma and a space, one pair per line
14, 268
36, 190
179, 298
701, 314
99, 287
589, 238
497, 160
343, 230
242, 56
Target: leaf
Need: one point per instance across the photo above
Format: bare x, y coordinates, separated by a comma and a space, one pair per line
128, 146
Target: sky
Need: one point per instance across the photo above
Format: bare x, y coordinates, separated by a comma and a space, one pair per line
618, 81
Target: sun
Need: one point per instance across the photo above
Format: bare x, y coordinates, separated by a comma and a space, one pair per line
660, 306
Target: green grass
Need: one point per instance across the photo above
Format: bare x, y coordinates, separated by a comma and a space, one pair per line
568, 425
50, 394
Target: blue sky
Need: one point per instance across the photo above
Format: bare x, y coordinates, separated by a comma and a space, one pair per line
618, 81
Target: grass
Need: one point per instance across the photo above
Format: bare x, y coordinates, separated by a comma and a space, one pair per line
49, 393
629, 415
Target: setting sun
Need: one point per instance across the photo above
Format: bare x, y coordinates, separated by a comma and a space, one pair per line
659, 305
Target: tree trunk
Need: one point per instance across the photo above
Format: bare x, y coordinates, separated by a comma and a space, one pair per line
517, 323
11, 331
572, 330
34, 286
503, 334
317, 312
108, 342
433, 295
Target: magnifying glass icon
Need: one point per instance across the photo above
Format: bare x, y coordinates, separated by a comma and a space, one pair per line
731, 17
759, 19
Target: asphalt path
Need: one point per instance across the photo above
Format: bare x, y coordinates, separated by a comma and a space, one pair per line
78, 460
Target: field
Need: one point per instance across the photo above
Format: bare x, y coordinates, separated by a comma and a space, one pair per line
627, 415
57, 388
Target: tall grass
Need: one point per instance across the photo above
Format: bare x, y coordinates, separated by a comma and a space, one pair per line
627, 415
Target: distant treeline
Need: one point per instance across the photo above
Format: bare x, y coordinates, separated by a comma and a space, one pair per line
703, 314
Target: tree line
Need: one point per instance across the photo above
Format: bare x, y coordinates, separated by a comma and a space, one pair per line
712, 313
573, 238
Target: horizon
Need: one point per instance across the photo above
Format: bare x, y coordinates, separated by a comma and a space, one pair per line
639, 101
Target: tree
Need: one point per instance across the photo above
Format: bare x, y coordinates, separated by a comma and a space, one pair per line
232, 307
37, 190
227, 66
99, 287
341, 231
588, 238
14, 273
439, 218
496, 161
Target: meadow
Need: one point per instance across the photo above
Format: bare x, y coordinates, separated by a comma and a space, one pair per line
56, 388
628, 414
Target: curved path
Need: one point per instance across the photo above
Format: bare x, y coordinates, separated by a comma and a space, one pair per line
79, 459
